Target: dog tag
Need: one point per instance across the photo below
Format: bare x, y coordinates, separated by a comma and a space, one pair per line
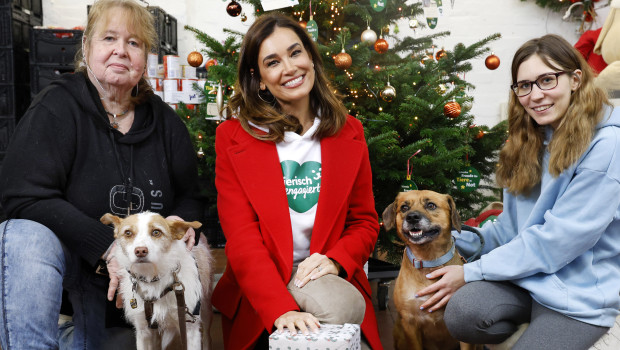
133, 303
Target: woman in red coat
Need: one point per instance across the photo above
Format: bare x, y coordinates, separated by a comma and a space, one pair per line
294, 196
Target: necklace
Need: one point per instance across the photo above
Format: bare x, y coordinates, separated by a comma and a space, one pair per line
114, 122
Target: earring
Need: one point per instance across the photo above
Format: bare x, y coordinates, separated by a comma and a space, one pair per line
272, 101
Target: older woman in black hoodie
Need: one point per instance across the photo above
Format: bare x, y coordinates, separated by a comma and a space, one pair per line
93, 142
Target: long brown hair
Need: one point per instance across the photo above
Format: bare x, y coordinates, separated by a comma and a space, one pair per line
138, 17
520, 160
247, 106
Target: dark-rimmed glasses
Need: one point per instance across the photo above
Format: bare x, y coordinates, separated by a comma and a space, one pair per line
546, 81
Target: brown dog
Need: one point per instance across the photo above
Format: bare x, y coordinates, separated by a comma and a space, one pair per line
423, 220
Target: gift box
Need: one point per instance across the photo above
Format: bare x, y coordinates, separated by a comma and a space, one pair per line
330, 336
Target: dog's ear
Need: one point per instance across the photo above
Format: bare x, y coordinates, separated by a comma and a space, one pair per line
108, 219
178, 228
389, 216
454, 214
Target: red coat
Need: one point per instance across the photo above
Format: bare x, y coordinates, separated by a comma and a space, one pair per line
254, 214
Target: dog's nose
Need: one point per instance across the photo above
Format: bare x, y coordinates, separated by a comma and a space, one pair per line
413, 217
141, 252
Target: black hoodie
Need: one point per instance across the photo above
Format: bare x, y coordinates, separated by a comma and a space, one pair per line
66, 166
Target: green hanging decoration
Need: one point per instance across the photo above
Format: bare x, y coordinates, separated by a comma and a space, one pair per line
378, 5
432, 13
312, 27
467, 180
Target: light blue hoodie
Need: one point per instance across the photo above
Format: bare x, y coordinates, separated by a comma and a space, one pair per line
562, 242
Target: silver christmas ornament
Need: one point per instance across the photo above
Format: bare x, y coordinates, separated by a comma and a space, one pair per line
369, 36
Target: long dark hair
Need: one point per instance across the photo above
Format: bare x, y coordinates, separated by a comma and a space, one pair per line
247, 106
520, 160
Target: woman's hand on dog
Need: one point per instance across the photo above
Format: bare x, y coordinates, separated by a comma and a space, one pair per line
313, 267
296, 319
451, 278
113, 268
190, 234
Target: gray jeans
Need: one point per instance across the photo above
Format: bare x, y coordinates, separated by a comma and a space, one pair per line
484, 312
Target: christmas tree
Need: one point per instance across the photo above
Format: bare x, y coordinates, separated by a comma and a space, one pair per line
410, 95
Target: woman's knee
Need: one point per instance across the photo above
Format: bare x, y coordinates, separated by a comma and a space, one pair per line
27, 244
331, 299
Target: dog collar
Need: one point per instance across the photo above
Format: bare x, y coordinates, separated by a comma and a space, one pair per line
419, 264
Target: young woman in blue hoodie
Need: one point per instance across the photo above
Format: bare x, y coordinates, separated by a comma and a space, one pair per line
552, 258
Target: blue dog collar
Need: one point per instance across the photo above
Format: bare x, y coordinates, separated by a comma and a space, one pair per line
419, 264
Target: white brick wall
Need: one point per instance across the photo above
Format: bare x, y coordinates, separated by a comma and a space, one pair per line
468, 22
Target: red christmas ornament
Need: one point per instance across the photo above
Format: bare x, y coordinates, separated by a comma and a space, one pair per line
343, 60
209, 63
381, 45
480, 134
492, 62
194, 59
452, 109
233, 8
440, 54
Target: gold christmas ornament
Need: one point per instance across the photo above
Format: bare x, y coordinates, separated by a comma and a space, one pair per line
389, 93
441, 89
343, 60
244, 17
452, 109
492, 62
194, 59
200, 153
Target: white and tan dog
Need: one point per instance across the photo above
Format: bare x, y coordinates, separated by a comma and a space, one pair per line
155, 266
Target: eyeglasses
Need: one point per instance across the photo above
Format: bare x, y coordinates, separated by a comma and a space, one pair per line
544, 82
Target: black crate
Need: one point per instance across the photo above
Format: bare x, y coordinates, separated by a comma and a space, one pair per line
7, 126
171, 32
21, 67
22, 99
165, 27
42, 75
6, 38
54, 46
6, 66
7, 99
21, 30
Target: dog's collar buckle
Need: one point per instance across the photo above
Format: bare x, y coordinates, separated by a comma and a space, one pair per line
419, 264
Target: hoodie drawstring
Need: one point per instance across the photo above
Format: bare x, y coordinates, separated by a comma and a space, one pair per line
127, 181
